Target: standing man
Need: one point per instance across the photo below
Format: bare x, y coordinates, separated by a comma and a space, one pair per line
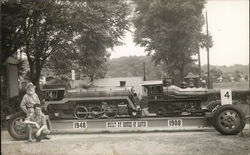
37, 125
29, 99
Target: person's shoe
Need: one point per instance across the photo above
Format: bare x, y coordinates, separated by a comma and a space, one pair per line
38, 139
29, 140
47, 137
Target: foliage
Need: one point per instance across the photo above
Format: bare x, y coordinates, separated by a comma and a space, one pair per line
77, 33
41, 30
133, 66
171, 32
237, 75
12, 17
216, 72
229, 69
240, 85
98, 25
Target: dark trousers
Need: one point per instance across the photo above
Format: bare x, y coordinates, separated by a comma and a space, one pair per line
32, 130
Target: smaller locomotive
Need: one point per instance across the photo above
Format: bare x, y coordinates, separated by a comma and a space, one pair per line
173, 101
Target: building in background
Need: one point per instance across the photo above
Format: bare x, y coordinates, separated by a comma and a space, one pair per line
9, 78
111, 82
126, 81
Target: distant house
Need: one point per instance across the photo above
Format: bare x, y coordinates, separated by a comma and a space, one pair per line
219, 79
9, 78
228, 77
129, 81
111, 82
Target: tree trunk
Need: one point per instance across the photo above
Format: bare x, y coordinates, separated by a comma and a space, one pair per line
35, 72
181, 70
91, 78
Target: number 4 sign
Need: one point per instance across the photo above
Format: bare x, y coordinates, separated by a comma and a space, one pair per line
226, 96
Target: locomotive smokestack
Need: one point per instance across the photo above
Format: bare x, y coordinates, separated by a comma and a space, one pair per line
122, 83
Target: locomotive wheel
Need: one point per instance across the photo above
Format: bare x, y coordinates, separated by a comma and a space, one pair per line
111, 114
111, 110
81, 112
16, 126
229, 120
96, 112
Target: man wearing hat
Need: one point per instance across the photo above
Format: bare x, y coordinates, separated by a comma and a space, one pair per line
29, 99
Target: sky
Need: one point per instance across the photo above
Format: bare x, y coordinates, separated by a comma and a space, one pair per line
228, 23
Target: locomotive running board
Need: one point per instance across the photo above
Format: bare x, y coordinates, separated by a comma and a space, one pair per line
130, 125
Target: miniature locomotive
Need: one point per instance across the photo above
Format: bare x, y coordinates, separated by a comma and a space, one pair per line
174, 101
93, 103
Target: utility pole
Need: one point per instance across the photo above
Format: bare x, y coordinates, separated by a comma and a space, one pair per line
208, 69
144, 72
199, 61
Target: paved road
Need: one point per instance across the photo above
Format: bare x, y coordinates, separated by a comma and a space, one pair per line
160, 143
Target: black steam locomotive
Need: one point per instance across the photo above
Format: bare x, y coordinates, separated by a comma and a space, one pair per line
95, 102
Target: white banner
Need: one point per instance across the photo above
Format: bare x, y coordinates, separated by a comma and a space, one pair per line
127, 124
226, 96
175, 122
79, 125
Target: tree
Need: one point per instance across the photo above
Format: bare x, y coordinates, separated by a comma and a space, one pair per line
133, 66
237, 75
41, 28
12, 17
216, 72
171, 32
98, 25
21, 67
60, 28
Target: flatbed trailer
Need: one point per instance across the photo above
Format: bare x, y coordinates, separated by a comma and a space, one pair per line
143, 124
69, 112
130, 125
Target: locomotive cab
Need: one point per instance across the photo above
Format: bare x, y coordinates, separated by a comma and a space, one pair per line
153, 90
53, 94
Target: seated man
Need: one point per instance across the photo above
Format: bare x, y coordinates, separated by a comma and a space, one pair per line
36, 123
